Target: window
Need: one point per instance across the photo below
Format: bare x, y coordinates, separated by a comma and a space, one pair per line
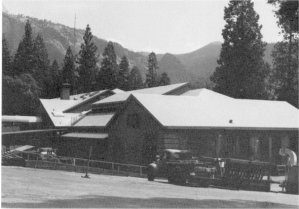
133, 120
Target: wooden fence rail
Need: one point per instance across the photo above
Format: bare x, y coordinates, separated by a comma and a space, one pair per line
80, 165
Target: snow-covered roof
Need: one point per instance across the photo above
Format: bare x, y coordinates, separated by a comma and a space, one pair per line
56, 108
121, 97
213, 110
95, 120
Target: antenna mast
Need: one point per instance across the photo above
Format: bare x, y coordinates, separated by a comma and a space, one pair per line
75, 39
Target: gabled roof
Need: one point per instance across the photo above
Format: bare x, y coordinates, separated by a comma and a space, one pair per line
57, 108
213, 110
160, 90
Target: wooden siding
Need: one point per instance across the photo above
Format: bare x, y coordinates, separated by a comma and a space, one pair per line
133, 145
251, 145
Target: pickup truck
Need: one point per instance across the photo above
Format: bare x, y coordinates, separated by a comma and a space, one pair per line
175, 165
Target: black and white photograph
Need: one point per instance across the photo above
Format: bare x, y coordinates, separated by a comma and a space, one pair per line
149, 104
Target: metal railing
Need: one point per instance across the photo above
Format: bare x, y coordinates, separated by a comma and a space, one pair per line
80, 165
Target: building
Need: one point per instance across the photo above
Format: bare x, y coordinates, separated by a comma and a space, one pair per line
132, 127
91, 129
207, 123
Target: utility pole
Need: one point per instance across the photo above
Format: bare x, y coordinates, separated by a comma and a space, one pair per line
86, 173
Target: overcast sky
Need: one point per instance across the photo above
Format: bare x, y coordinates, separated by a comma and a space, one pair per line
140, 25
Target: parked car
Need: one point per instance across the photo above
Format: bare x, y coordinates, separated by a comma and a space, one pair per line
175, 165
47, 153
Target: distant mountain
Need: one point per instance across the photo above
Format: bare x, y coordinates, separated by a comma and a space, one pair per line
193, 66
174, 68
58, 38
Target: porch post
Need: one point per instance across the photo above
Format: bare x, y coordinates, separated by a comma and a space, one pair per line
270, 149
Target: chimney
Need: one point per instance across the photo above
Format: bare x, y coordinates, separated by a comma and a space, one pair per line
65, 91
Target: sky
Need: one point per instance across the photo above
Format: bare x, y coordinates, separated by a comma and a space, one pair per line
174, 26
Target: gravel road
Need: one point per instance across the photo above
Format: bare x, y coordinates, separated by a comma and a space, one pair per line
38, 188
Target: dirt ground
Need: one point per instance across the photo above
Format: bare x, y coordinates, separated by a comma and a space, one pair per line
38, 188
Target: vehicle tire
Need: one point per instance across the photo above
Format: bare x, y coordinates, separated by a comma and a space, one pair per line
177, 177
150, 177
171, 179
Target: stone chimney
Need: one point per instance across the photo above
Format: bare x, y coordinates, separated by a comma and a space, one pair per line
65, 91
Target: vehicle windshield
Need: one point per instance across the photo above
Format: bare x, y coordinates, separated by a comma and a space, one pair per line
182, 156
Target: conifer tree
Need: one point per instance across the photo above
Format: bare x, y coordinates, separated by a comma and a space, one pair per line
123, 76
285, 54
24, 57
135, 79
87, 62
55, 78
20, 94
241, 72
164, 80
6, 58
68, 70
41, 66
107, 77
152, 71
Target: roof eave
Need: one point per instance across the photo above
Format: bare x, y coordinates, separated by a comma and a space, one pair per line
233, 128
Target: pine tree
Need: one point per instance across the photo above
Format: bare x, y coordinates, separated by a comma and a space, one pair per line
6, 58
24, 57
87, 62
152, 71
135, 79
41, 66
123, 76
68, 70
164, 80
285, 53
107, 77
56, 80
241, 72
20, 94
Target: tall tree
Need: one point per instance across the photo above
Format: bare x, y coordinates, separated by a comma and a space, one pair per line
135, 79
152, 71
68, 70
124, 72
20, 94
87, 61
24, 57
41, 66
56, 80
6, 58
164, 80
242, 71
107, 77
285, 53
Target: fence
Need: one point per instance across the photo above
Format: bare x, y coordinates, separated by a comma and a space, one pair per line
81, 165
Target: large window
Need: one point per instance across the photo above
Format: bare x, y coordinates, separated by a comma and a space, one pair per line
133, 120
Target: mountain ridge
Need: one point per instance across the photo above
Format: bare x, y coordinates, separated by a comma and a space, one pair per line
187, 67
